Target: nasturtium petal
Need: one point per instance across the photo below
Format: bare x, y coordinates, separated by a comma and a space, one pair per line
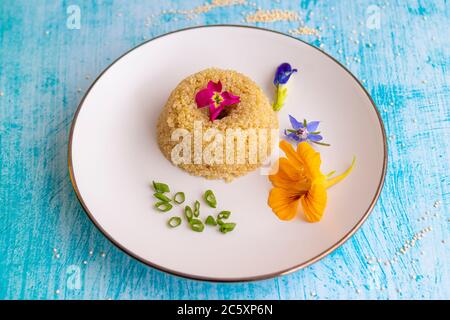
314, 202
283, 204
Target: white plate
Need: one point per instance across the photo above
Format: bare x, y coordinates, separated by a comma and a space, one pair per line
114, 156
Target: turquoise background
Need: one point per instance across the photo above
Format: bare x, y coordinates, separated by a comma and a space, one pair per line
45, 68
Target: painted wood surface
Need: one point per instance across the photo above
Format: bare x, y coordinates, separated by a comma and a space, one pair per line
50, 250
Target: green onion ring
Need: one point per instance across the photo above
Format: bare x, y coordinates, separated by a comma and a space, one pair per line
161, 197
227, 227
197, 225
196, 208
210, 198
161, 187
163, 206
174, 222
223, 215
188, 213
179, 197
210, 221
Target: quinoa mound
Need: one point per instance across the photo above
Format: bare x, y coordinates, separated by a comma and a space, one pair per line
253, 112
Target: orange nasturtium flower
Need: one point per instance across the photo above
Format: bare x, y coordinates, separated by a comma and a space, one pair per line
299, 179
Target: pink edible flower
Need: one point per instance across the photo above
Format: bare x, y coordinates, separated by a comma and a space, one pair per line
213, 97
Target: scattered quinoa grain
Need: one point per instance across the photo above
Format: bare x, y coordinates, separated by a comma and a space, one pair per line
305, 31
272, 16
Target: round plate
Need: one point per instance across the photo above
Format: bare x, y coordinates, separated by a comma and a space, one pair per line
114, 156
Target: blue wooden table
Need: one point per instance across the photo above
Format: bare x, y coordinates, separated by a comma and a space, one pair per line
51, 52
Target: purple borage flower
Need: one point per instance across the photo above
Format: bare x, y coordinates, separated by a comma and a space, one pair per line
304, 131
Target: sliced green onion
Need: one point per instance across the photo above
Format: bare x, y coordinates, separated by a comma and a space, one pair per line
188, 213
227, 227
210, 221
163, 206
179, 197
161, 197
174, 222
224, 215
196, 208
161, 187
210, 198
197, 225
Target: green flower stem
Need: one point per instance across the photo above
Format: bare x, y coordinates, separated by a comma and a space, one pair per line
321, 143
280, 97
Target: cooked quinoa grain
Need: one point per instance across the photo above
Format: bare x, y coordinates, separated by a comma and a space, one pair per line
253, 112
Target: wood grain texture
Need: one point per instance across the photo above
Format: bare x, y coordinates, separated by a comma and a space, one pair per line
46, 67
